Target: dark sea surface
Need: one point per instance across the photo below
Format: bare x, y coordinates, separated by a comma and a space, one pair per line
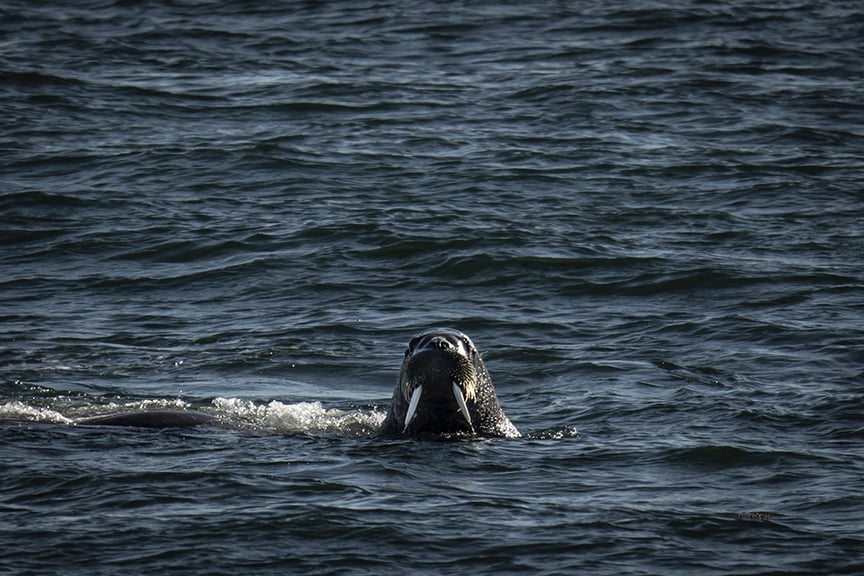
649, 216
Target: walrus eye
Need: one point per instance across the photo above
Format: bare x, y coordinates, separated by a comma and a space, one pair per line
468, 346
411, 345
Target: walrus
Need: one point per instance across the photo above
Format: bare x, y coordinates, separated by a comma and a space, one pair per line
445, 389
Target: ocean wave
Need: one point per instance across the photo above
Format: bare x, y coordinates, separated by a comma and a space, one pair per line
297, 418
271, 417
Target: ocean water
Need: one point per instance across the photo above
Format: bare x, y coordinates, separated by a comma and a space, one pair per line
648, 215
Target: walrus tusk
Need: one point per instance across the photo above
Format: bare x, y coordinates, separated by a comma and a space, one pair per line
460, 399
412, 406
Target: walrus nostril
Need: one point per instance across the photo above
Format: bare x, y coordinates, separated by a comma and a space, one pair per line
440, 343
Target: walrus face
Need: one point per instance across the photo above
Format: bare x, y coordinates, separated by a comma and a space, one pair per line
438, 381
445, 390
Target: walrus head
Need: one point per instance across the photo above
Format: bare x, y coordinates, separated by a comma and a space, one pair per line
444, 388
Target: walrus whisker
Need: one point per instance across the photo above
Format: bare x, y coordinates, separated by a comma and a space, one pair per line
460, 399
412, 406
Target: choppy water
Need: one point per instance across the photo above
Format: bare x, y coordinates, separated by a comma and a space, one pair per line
647, 214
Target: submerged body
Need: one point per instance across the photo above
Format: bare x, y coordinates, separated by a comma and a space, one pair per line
445, 389
152, 419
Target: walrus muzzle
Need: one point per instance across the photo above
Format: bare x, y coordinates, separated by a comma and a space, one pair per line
439, 376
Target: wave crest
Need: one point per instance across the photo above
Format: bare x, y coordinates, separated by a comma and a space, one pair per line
298, 418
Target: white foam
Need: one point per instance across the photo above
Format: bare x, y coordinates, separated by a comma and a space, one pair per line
141, 405
300, 417
17, 410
